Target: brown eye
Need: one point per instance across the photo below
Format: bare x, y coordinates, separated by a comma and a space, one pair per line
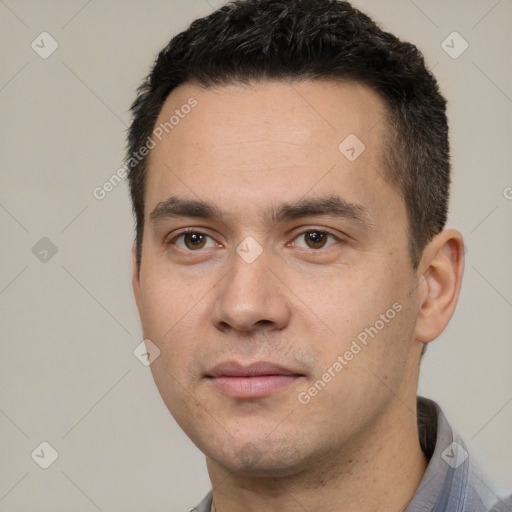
193, 241
315, 239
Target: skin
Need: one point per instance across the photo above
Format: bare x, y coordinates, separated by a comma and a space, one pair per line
247, 149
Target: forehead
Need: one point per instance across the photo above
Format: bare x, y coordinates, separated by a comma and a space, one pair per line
268, 141
295, 113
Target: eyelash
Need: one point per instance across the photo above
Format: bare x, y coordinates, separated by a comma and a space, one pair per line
196, 232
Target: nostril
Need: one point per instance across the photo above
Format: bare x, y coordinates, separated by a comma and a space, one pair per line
264, 322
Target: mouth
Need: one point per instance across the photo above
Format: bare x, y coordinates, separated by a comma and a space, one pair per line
256, 380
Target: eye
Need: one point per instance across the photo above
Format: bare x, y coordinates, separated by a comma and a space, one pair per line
192, 241
315, 239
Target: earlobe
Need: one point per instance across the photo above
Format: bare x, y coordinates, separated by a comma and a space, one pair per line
441, 267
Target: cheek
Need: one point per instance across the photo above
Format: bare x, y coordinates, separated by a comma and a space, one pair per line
169, 311
370, 319
351, 300
176, 316
165, 297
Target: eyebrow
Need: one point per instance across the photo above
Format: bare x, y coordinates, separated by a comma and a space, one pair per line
330, 206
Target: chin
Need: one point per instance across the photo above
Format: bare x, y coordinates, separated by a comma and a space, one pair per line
262, 459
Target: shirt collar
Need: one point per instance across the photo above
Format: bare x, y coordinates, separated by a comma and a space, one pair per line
451, 481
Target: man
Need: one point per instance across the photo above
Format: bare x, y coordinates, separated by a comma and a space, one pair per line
289, 171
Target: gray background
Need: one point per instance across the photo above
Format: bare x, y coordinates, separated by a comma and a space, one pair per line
69, 324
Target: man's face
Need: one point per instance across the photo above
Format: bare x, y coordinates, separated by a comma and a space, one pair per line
305, 262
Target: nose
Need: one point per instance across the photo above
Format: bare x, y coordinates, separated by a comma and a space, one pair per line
250, 297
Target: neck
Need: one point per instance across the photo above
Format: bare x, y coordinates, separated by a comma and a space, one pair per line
379, 472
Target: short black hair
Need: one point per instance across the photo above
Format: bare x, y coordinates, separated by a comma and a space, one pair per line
249, 41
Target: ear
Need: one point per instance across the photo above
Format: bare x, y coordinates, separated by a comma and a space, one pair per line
441, 268
136, 276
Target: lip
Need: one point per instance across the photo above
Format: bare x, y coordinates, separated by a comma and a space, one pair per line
256, 380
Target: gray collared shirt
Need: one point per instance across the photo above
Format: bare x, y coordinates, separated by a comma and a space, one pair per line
451, 482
